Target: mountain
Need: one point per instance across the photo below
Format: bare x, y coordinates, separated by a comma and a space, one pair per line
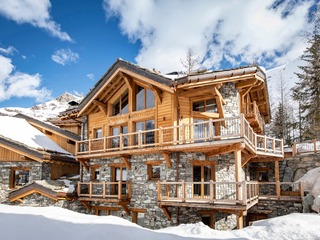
287, 73
43, 111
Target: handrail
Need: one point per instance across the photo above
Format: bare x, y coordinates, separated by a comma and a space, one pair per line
252, 111
312, 146
229, 128
118, 190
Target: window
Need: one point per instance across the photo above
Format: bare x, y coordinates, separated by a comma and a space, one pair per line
208, 105
154, 170
121, 105
95, 172
202, 130
98, 133
202, 174
19, 177
116, 132
263, 174
144, 98
119, 174
147, 137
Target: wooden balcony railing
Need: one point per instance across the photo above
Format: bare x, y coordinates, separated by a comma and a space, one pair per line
281, 189
208, 192
252, 112
312, 146
211, 130
105, 190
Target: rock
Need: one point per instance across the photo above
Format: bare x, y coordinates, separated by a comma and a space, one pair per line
307, 203
299, 173
287, 177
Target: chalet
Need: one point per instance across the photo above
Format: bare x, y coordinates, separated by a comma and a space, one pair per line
162, 151
31, 150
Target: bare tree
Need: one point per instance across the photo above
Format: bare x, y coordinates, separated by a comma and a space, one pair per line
191, 61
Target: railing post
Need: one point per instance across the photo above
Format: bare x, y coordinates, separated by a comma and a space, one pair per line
301, 190
281, 146
265, 143
294, 149
77, 148
89, 145
119, 189
244, 192
104, 144
241, 125
183, 133
183, 191
210, 129
120, 142
104, 189
139, 139
159, 190
211, 190
273, 145
278, 189
79, 189
160, 136
90, 189
315, 146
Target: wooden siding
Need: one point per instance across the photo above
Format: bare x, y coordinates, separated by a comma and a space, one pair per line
72, 128
165, 111
95, 121
10, 156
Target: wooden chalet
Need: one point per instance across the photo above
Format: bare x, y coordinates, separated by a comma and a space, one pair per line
27, 154
168, 149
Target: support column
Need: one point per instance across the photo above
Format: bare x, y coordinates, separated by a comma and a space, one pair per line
276, 177
238, 174
239, 221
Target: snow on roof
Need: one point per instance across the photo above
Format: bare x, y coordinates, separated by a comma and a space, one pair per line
19, 130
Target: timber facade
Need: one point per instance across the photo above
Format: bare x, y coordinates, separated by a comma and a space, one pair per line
162, 151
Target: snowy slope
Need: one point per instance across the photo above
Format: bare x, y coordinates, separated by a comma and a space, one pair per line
50, 109
51, 223
287, 73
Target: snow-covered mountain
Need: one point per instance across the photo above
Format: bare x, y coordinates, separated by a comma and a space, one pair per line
287, 73
43, 111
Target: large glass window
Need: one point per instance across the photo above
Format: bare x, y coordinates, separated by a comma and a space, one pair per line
116, 132
208, 105
146, 137
121, 105
144, 98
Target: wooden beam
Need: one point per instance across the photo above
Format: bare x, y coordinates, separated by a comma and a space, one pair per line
246, 159
125, 208
157, 92
167, 156
101, 106
239, 221
276, 177
226, 149
166, 212
84, 164
125, 159
194, 92
86, 205
127, 79
218, 94
246, 83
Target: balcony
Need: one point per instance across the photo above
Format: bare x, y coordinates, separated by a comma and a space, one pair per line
252, 114
227, 196
201, 136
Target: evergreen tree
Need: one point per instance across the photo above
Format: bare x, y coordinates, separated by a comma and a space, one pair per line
307, 90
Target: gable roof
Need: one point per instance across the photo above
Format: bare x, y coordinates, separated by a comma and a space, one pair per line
153, 76
46, 126
18, 135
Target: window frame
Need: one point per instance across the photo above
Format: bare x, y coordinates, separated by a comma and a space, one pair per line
12, 181
150, 165
145, 98
120, 100
205, 105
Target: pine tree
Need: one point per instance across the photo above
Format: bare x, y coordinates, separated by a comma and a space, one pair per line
307, 90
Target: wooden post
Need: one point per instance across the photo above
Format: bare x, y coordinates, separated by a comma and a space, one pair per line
273, 145
159, 190
183, 189
211, 190
241, 125
244, 193
237, 155
89, 145
301, 190
315, 145
294, 149
276, 178
239, 221
139, 139
77, 147
104, 144
121, 142
79, 189
120, 188
160, 136
90, 189
104, 189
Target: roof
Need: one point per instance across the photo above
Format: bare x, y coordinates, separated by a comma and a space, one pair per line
227, 73
66, 134
152, 75
18, 135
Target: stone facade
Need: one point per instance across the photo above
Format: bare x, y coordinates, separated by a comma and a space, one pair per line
38, 171
144, 191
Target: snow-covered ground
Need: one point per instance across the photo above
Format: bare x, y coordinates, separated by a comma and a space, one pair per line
51, 223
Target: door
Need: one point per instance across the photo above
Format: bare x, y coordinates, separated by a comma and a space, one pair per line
202, 175
119, 175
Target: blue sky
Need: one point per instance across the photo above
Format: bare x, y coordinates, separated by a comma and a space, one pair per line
51, 47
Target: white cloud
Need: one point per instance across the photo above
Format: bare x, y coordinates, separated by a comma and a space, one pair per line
8, 51
234, 31
34, 12
65, 56
90, 76
17, 84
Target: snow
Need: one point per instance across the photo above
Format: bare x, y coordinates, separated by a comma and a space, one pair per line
69, 186
42, 112
53, 223
311, 184
19, 130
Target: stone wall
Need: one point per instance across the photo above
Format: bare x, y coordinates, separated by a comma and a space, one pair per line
230, 93
38, 171
144, 191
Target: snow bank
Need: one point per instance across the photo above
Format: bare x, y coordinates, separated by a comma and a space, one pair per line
51, 223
